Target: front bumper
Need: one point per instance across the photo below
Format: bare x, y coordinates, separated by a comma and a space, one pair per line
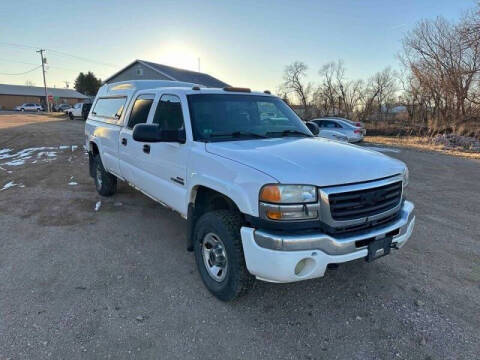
274, 256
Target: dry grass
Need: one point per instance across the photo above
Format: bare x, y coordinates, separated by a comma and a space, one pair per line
420, 143
14, 119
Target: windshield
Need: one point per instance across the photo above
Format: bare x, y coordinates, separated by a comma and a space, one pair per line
227, 117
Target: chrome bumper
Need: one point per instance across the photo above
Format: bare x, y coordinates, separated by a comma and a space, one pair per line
401, 230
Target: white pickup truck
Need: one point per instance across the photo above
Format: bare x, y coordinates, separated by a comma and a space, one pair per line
263, 198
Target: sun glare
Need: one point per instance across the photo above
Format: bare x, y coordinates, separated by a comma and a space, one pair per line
177, 55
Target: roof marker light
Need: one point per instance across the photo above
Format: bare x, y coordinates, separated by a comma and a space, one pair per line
236, 89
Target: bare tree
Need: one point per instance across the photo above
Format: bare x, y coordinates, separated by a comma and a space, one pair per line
336, 95
444, 60
294, 82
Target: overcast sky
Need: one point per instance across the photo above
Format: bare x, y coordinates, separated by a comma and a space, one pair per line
245, 43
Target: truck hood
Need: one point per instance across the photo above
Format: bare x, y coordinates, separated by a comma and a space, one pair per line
312, 161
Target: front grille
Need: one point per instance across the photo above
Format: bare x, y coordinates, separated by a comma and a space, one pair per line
364, 203
348, 230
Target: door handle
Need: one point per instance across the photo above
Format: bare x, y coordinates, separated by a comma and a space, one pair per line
124, 141
146, 149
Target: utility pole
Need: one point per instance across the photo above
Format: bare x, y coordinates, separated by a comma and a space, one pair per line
44, 81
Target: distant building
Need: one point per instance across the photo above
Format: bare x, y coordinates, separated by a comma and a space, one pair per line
146, 70
14, 95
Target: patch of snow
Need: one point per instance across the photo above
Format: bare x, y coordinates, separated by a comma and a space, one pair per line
8, 185
48, 151
15, 162
47, 154
382, 149
72, 183
97, 205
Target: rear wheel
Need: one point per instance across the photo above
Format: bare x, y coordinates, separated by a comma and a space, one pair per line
22, 109
219, 255
105, 183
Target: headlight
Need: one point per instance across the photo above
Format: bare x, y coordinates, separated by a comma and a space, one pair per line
288, 202
288, 194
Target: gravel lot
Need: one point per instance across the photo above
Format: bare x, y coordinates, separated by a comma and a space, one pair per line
117, 283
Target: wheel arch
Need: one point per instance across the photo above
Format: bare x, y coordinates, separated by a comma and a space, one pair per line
93, 151
204, 199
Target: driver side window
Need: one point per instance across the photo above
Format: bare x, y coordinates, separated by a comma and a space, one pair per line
140, 110
168, 114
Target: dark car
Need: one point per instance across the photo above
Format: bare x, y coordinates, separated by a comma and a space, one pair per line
62, 107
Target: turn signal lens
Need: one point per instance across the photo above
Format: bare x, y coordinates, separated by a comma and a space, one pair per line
274, 215
270, 193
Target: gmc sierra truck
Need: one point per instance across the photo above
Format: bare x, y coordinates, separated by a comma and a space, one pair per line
263, 197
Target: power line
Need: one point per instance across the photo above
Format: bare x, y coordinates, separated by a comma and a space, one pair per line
49, 65
82, 58
26, 72
62, 53
18, 62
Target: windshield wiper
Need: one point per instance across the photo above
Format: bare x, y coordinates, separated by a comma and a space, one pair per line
288, 133
238, 134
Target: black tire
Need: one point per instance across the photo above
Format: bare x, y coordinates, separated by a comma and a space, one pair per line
226, 225
70, 115
105, 183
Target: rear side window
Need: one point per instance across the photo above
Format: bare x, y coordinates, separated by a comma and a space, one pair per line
140, 110
331, 124
169, 113
109, 107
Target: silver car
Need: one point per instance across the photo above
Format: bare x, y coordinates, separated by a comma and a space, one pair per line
354, 131
29, 107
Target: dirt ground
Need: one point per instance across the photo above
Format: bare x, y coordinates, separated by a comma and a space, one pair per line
117, 283
420, 144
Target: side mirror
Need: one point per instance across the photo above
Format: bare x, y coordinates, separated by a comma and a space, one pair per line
313, 127
153, 133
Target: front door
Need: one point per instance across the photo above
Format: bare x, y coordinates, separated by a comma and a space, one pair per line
131, 152
166, 162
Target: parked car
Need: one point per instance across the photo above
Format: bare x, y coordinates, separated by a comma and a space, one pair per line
62, 107
263, 199
29, 107
344, 126
79, 110
354, 123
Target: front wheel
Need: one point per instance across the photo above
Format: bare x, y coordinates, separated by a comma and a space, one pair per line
70, 115
219, 255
